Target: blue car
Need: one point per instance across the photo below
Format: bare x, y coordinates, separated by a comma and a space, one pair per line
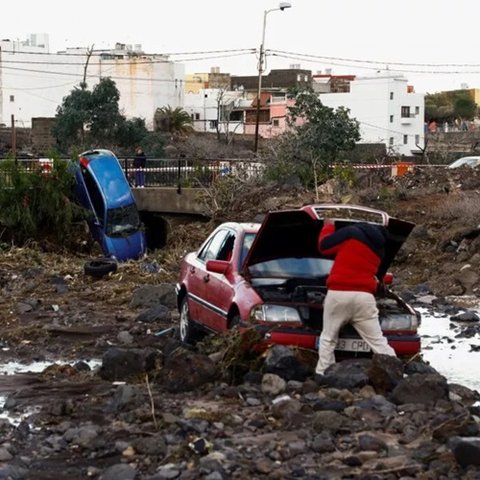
102, 188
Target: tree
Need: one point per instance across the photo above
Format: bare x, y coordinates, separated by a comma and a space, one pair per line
317, 135
93, 118
73, 117
105, 113
173, 120
448, 106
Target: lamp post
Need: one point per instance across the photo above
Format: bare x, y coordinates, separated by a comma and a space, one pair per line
282, 6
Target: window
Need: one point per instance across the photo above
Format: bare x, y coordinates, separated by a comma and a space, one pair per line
405, 139
390, 141
276, 122
212, 248
391, 95
417, 110
278, 98
391, 118
299, 78
197, 116
213, 123
12, 98
405, 112
96, 199
417, 139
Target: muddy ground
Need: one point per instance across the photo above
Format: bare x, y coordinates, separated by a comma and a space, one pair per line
156, 410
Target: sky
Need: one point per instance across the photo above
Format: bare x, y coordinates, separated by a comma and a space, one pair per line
434, 43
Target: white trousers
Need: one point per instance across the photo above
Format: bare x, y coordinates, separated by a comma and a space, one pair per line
359, 309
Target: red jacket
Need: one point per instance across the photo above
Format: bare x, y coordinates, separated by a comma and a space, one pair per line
358, 251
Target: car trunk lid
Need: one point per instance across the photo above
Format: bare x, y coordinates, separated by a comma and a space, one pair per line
294, 233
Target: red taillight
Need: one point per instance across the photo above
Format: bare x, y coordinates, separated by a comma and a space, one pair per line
84, 161
388, 279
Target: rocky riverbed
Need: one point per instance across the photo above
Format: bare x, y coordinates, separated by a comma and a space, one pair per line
116, 397
123, 400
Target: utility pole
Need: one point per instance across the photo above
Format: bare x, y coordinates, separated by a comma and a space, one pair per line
14, 140
89, 54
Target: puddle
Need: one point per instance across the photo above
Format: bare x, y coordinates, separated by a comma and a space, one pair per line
450, 356
13, 368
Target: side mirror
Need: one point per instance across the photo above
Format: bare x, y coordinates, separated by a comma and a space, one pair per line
217, 266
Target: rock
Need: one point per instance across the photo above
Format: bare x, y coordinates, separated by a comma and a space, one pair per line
466, 450
59, 284
154, 445
371, 442
419, 367
184, 371
323, 443
158, 313
329, 404
125, 338
328, 420
120, 364
348, 374
119, 472
417, 388
149, 296
468, 316
273, 384
281, 361
385, 372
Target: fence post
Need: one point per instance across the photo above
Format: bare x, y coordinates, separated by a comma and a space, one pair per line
179, 184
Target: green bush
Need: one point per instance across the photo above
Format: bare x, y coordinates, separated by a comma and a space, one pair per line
36, 202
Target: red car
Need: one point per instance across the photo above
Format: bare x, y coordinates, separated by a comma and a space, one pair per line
271, 276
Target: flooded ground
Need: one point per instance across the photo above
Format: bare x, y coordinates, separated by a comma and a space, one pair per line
452, 357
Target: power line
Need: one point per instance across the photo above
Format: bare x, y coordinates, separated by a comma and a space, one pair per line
378, 62
396, 70
101, 52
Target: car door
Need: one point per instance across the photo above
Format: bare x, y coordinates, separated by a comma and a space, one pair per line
199, 279
220, 287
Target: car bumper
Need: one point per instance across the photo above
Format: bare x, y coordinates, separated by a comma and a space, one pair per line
404, 345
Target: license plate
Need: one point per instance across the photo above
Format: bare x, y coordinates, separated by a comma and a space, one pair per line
352, 345
349, 345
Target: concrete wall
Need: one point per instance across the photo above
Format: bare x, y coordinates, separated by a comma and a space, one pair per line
168, 200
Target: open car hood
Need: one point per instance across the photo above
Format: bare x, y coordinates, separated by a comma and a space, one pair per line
294, 233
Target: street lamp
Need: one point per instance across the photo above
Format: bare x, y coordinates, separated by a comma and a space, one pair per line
281, 6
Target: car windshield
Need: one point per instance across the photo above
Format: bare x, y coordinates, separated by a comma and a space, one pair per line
122, 220
303, 267
470, 161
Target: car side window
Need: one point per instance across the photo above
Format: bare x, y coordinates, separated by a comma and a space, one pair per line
212, 248
95, 195
226, 250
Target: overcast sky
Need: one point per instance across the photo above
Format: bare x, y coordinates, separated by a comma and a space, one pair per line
415, 36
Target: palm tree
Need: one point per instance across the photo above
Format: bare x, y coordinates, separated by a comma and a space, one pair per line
173, 120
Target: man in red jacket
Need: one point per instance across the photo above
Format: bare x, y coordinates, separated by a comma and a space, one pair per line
352, 283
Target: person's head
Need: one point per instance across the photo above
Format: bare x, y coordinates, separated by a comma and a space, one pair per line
139, 150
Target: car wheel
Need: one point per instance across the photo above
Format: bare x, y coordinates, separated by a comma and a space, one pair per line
188, 332
100, 267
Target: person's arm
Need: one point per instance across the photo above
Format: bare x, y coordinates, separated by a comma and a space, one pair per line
330, 240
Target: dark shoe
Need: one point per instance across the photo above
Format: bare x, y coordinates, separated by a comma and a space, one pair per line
319, 379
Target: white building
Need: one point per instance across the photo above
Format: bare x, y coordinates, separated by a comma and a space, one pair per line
213, 106
33, 82
387, 109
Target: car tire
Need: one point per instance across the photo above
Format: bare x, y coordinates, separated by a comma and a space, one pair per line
187, 331
100, 267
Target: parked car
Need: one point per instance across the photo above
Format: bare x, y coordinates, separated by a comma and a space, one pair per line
472, 161
102, 188
270, 276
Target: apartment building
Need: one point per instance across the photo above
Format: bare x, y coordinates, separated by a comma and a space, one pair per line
33, 81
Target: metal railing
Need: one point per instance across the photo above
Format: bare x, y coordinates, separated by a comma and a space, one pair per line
178, 173
184, 172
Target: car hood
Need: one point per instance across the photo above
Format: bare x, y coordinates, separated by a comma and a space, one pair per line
294, 233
